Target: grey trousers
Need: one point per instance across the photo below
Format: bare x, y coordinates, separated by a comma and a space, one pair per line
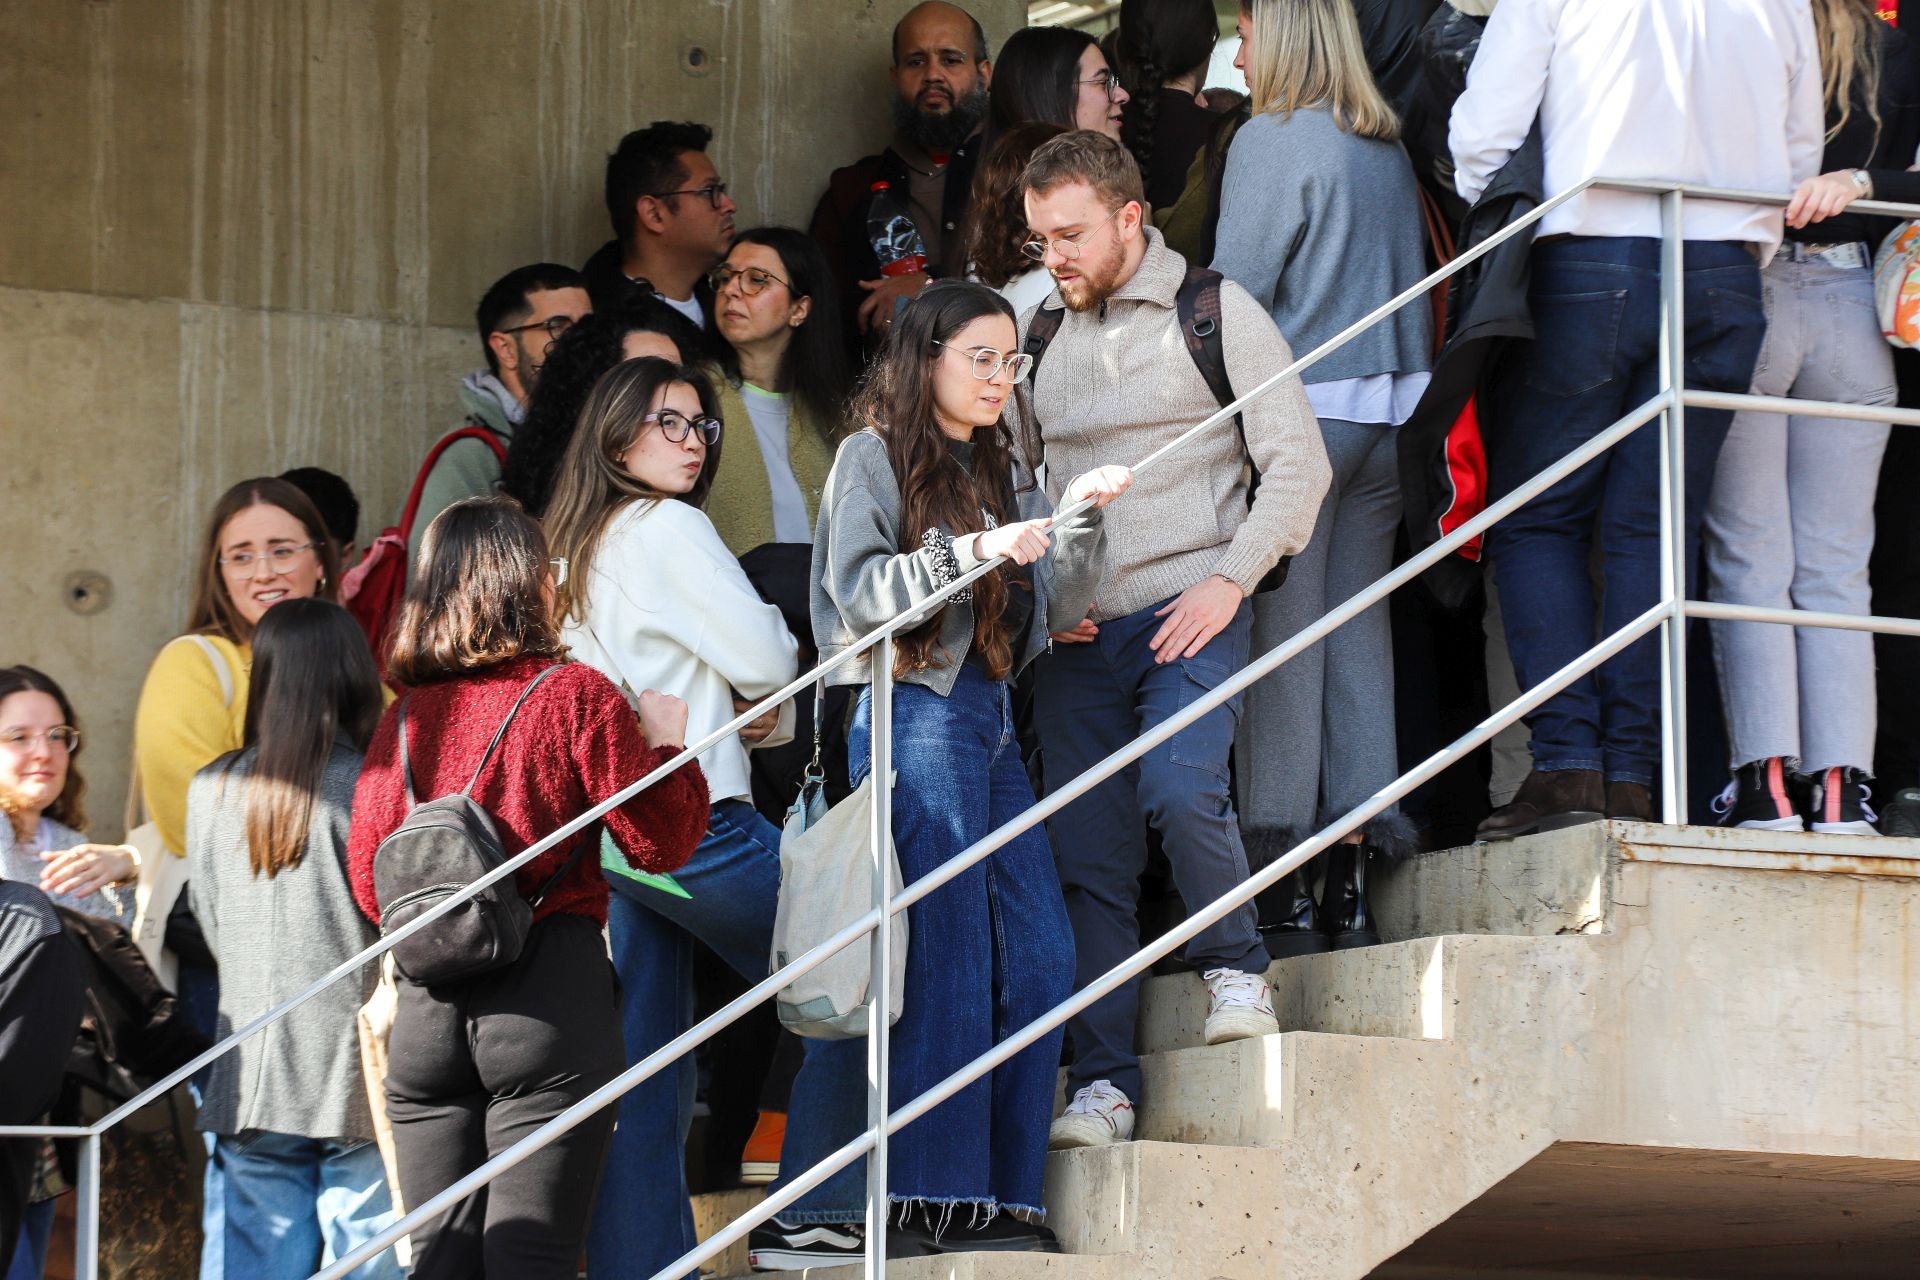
1317, 737
1790, 525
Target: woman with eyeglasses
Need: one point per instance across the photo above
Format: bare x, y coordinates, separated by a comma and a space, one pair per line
1320, 222
932, 487
786, 378
1057, 74
652, 598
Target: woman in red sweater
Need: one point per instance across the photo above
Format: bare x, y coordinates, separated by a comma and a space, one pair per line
477, 1064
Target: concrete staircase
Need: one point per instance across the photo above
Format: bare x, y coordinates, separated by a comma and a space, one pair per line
1613, 987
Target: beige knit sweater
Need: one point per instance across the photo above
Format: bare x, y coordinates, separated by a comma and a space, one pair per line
1117, 383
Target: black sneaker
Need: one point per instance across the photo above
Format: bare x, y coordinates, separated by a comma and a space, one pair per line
1839, 804
783, 1246
1901, 817
1760, 798
962, 1232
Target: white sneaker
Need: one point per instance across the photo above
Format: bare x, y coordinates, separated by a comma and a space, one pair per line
1242, 1006
1099, 1114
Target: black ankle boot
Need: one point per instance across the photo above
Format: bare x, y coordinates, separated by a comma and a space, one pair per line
1290, 922
1344, 908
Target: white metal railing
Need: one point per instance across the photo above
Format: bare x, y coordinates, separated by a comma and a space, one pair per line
1668, 616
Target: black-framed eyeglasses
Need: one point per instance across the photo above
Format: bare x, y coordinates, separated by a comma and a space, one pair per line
280, 557
1037, 245
987, 363
675, 427
554, 325
714, 192
1109, 82
63, 737
752, 280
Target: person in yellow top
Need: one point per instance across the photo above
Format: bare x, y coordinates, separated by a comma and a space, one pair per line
783, 395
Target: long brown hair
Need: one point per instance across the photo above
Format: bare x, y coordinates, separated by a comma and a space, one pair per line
997, 216
936, 492
477, 597
69, 807
1846, 34
313, 682
214, 612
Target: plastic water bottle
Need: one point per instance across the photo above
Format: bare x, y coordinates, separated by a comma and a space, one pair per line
896, 241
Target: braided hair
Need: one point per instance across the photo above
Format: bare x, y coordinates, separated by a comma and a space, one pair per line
1158, 40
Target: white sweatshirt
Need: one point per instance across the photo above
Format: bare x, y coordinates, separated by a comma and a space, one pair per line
668, 608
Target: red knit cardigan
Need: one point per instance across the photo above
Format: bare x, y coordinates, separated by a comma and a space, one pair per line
574, 743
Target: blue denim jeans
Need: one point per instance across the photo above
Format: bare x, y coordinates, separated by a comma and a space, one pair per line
30, 1251
989, 952
1089, 701
292, 1205
643, 1219
1594, 358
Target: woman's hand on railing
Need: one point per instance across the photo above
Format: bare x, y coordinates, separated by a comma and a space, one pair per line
1824, 196
87, 867
1022, 543
1102, 484
756, 731
663, 719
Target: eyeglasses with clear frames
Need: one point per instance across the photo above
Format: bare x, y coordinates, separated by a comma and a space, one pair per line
559, 564
279, 558
1109, 82
1037, 245
62, 737
675, 427
752, 280
987, 362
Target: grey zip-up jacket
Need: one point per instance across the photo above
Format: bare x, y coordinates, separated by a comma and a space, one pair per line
862, 580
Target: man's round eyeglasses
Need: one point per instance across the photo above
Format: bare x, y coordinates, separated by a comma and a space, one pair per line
62, 736
554, 325
713, 192
1069, 246
1109, 82
675, 427
752, 280
280, 557
987, 362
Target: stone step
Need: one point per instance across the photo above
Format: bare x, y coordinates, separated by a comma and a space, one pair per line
713, 1211
1560, 882
985, 1266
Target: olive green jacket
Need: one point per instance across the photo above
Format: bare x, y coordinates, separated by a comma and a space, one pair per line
740, 504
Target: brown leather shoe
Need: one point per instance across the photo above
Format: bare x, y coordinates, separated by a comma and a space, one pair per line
1629, 802
1547, 801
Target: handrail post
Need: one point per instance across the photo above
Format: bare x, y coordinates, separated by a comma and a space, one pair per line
86, 1215
1673, 510
880, 949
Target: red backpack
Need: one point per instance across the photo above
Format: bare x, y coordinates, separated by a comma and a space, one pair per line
372, 589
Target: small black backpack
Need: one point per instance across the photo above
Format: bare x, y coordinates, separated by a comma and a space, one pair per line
439, 849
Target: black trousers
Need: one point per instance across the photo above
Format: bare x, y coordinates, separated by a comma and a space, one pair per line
475, 1066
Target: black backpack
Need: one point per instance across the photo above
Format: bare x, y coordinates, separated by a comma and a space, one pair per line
439, 849
1198, 306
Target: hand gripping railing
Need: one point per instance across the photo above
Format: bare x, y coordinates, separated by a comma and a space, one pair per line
1668, 614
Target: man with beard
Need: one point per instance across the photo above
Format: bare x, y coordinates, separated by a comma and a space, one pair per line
672, 221
1171, 618
940, 74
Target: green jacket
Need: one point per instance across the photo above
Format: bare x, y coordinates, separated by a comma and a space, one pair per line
468, 469
740, 504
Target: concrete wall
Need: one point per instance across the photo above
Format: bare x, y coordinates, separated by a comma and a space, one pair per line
249, 235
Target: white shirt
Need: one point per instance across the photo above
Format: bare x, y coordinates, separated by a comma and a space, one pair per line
690, 308
1722, 93
770, 413
1028, 290
1384, 399
669, 608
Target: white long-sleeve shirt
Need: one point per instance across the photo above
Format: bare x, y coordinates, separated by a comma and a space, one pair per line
1724, 93
669, 608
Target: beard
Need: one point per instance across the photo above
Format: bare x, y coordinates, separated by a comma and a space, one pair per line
939, 132
1097, 281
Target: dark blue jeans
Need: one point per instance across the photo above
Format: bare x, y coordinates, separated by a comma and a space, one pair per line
643, 1219
1089, 701
990, 951
1594, 358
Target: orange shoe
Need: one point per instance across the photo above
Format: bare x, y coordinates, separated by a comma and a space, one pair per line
760, 1159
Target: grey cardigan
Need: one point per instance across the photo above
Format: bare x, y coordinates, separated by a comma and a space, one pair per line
1321, 226
862, 580
272, 937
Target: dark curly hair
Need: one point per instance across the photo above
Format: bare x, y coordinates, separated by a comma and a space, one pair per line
997, 217
574, 363
1158, 40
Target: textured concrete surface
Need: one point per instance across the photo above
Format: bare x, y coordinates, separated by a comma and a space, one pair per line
248, 236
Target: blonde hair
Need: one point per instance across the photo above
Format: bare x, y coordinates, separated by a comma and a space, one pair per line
1307, 53
1843, 30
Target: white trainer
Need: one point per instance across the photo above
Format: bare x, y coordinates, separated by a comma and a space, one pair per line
1242, 1006
1099, 1114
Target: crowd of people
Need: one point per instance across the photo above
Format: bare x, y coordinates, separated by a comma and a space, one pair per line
711, 458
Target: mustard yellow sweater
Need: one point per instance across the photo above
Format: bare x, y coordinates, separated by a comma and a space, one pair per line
184, 723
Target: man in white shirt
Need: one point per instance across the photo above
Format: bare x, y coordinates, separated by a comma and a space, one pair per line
1721, 93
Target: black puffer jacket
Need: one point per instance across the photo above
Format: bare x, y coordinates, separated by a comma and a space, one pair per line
1446, 48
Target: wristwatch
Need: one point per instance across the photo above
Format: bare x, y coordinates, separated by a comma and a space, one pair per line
1864, 181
